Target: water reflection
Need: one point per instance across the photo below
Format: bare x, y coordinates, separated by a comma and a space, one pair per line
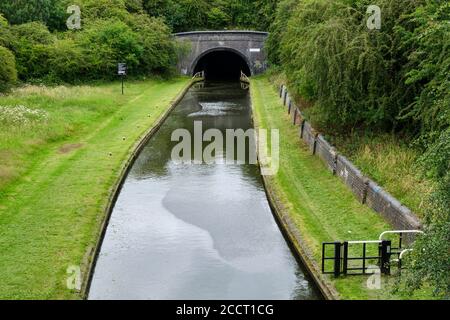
196, 231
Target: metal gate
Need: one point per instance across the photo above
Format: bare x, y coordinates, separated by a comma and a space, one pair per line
360, 257
346, 263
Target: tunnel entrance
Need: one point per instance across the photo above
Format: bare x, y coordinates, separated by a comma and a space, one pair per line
222, 65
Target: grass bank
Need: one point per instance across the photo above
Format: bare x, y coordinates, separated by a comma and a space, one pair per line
60, 156
321, 206
392, 163
387, 159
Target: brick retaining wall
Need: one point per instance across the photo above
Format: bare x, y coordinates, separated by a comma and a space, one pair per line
365, 190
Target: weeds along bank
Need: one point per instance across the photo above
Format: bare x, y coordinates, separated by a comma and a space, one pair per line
359, 85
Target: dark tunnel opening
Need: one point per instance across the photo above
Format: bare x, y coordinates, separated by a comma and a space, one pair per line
222, 65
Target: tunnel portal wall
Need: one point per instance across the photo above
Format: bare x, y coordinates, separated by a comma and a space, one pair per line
248, 44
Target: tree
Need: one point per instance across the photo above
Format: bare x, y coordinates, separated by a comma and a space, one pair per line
31, 46
134, 6
188, 15
277, 28
154, 36
106, 43
218, 19
8, 73
3, 21
50, 12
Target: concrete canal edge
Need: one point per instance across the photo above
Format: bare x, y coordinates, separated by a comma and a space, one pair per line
292, 233
91, 256
297, 244
285, 222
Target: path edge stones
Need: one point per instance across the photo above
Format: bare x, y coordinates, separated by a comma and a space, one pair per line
92, 253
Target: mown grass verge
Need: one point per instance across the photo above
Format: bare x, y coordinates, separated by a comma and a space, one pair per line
388, 159
58, 173
321, 206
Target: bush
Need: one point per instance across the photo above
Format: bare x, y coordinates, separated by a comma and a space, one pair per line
188, 15
106, 43
428, 33
68, 62
8, 73
217, 19
110, 34
32, 45
104, 9
277, 28
158, 50
3, 21
134, 6
354, 75
6, 38
50, 12
33, 33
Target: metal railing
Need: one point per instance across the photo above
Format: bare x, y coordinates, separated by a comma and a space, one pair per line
400, 234
400, 251
244, 77
347, 264
200, 74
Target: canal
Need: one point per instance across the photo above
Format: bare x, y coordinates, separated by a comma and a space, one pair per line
189, 231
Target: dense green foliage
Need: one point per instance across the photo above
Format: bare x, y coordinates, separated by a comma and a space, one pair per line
50, 12
110, 33
188, 15
305, 190
395, 79
137, 32
31, 44
277, 29
3, 21
431, 259
8, 72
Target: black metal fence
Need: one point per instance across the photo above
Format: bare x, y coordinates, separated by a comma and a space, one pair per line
361, 257
342, 261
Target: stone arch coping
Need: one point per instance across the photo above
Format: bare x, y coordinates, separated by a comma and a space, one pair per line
220, 32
